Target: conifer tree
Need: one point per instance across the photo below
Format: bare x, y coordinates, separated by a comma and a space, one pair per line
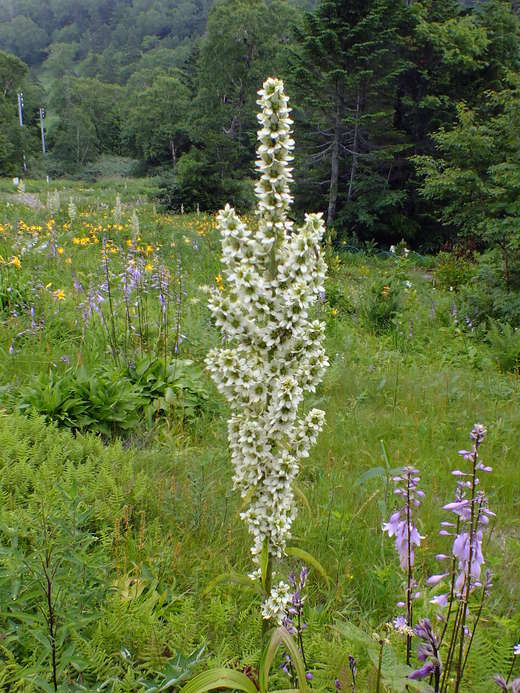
345, 69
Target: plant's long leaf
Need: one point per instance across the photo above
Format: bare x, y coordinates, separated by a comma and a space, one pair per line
309, 559
301, 495
234, 578
219, 678
279, 636
385, 454
372, 473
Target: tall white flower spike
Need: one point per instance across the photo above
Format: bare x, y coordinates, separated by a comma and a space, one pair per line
273, 351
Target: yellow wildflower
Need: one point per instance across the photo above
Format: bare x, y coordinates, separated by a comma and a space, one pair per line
60, 250
220, 283
59, 295
15, 261
148, 267
334, 312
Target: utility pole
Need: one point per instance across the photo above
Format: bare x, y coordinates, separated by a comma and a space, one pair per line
42, 116
20, 117
20, 108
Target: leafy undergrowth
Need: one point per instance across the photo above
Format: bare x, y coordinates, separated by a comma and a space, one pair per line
134, 525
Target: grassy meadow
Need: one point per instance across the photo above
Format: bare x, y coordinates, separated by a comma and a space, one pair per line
117, 513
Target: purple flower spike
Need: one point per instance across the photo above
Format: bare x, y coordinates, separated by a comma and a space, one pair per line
427, 652
399, 524
500, 681
423, 672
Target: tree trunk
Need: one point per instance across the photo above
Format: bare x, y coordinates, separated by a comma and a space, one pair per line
174, 153
334, 163
355, 151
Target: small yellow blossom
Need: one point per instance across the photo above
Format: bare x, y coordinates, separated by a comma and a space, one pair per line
148, 267
15, 261
61, 250
68, 260
59, 295
334, 312
220, 283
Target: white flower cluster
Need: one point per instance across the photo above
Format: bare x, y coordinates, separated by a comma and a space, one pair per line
53, 202
72, 210
118, 209
277, 603
273, 351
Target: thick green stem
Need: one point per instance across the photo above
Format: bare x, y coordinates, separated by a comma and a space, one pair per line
266, 624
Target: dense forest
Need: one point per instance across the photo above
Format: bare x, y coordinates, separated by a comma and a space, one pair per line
402, 110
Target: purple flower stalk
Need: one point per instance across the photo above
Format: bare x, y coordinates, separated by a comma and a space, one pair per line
428, 652
470, 508
353, 670
293, 620
401, 526
504, 685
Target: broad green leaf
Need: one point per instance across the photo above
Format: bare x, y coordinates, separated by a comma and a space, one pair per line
279, 636
309, 559
219, 678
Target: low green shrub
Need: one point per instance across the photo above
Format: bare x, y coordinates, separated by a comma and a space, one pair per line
114, 401
380, 305
453, 271
505, 345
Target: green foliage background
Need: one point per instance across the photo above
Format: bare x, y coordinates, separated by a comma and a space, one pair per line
138, 523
